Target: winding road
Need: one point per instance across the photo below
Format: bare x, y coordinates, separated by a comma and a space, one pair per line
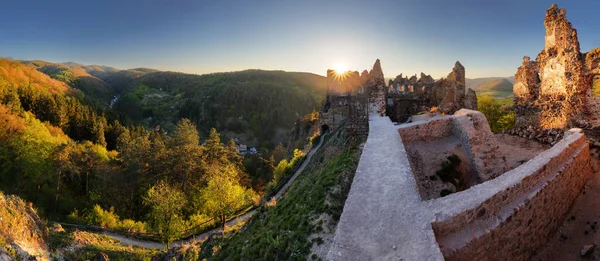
201, 237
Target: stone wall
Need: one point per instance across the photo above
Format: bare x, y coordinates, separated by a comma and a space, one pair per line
472, 130
506, 218
346, 103
530, 203
410, 96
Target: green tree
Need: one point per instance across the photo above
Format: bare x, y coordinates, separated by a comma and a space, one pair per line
185, 162
224, 195
498, 117
166, 203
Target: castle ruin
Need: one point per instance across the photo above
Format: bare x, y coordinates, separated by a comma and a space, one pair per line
479, 204
555, 90
351, 97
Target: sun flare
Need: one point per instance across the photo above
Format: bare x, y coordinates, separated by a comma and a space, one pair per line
340, 68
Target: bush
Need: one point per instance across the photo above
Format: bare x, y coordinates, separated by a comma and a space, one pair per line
131, 226
499, 117
100, 217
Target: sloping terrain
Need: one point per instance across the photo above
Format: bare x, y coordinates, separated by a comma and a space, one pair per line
75, 77
22, 233
299, 225
14, 74
496, 87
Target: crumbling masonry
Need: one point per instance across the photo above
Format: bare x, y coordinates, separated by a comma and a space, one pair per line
554, 91
506, 217
351, 97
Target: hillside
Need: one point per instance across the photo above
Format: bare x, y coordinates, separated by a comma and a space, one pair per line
257, 107
75, 77
22, 233
301, 224
496, 87
14, 74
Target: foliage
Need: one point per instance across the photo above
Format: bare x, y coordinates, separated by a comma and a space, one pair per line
101, 217
499, 117
224, 195
255, 104
165, 216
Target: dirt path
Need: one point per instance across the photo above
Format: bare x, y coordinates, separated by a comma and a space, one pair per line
133, 242
580, 227
243, 218
299, 170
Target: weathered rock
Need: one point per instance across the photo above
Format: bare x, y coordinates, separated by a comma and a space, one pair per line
471, 100
587, 249
100, 257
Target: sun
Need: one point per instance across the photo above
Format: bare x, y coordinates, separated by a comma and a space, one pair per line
340, 68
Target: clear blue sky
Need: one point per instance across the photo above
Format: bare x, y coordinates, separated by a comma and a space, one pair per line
488, 37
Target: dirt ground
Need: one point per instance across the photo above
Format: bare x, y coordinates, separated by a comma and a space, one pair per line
518, 150
427, 157
581, 225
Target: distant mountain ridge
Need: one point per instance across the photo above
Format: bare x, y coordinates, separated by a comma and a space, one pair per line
498, 87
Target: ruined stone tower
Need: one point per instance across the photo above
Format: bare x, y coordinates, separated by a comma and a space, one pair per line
554, 90
377, 90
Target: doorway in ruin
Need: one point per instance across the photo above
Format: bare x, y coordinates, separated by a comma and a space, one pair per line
324, 129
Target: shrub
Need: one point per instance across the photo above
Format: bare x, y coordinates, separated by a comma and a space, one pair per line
131, 226
100, 217
499, 117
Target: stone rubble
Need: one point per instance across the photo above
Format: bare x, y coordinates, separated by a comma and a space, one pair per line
549, 136
587, 249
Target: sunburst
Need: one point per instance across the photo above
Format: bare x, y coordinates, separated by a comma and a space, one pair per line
341, 71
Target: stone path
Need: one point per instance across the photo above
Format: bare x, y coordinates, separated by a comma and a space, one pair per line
367, 222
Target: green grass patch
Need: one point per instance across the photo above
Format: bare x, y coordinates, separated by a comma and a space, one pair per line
90, 244
281, 232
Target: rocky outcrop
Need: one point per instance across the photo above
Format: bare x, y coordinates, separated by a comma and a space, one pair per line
21, 230
554, 90
100, 257
376, 89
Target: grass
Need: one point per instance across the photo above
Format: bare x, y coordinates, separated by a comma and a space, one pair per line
281, 232
503, 98
87, 245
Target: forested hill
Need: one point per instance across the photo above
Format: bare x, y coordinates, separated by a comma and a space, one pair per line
257, 107
76, 77
76, 163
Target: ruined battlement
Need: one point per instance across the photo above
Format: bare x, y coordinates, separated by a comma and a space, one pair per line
409, 96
